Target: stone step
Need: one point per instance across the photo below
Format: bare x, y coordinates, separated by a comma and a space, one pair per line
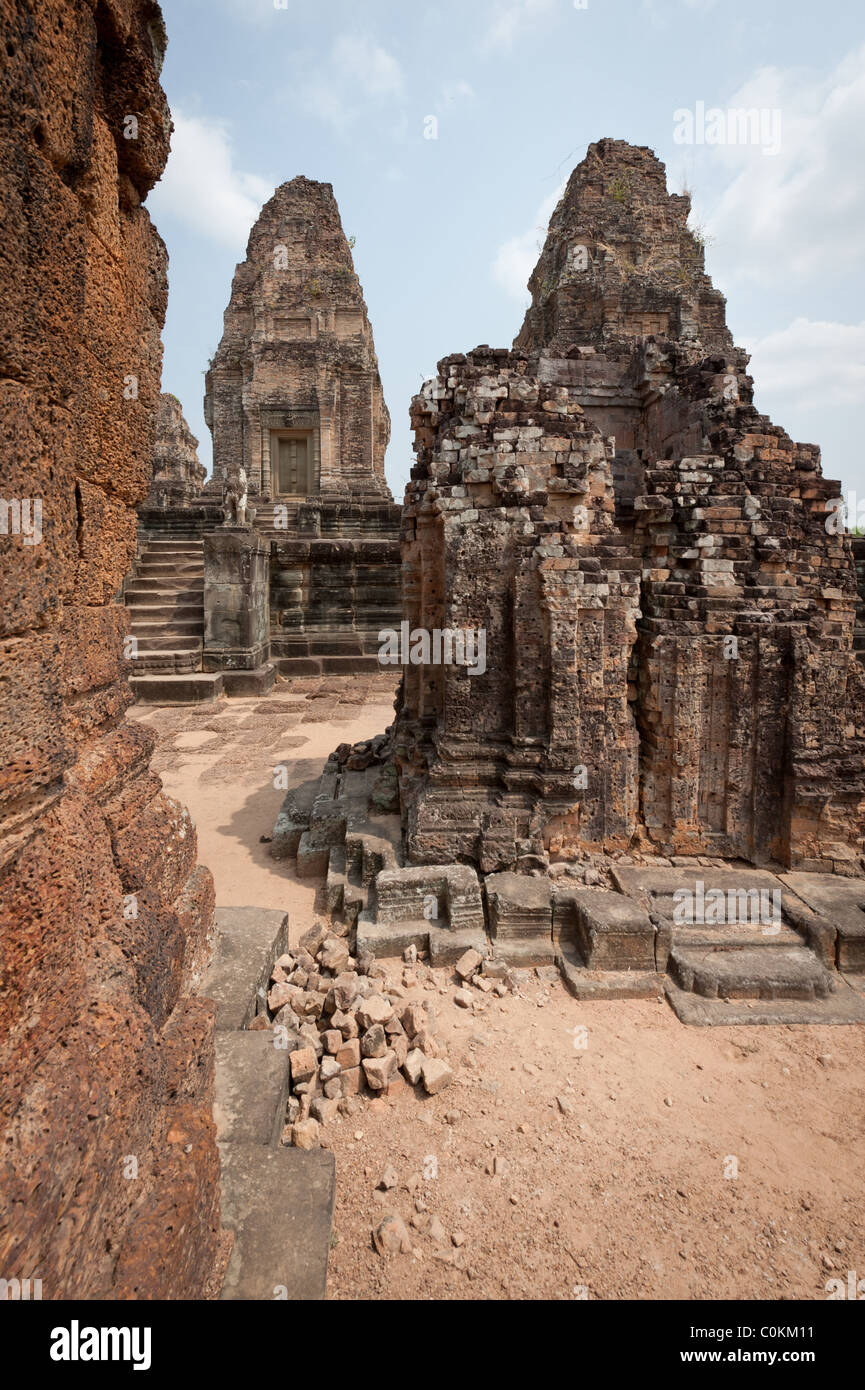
251, 1087
249, 940
736, 934
584, 983
172, 688
160, 591
171, 545
279, 1204
750, 972
329, 665
174, 606
160, 585
181, 569
166, 642
844, 1005
169, 662
179, 627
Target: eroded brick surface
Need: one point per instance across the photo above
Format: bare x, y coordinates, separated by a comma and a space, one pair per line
668, 616
108, 1178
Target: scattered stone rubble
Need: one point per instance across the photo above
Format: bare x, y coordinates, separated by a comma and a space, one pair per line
353, 1033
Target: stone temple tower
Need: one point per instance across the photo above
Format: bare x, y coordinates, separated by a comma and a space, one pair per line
294, 391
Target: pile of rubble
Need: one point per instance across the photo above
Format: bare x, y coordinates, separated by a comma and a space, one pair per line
351, 1032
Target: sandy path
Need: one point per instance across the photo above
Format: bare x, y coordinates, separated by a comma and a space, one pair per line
219, 760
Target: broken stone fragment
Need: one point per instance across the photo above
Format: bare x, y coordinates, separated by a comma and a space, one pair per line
349, 1054
390, 1237
344, 990
309, 1005
413, 1066
379, 1070
329, 1068
464, 998
389, 1178
437, 1232
333, 954
280, 994
365, 961
303, 1064
305, 1134
413, 1018
375, 1009
374, 1042
313, 938
324, 1110
436, 1074
287, 1018
352, 1081
425, 1041
312, 1038
468, 964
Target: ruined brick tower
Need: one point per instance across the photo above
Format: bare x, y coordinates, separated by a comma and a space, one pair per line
178, 476
294, 391
668, 610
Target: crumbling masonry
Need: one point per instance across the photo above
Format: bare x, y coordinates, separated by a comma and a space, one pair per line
109, 1174
665, 607
669, 693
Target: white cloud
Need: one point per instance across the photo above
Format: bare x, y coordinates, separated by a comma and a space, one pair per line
357, 73
201, 186
812, 363
512, 19
517, 257
798, 213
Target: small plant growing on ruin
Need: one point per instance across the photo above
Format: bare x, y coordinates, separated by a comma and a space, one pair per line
352, 242
701, 236
620, 189
315, 288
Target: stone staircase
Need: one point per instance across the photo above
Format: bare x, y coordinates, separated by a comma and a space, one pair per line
165, 599
757, 966
265, 512
731, 976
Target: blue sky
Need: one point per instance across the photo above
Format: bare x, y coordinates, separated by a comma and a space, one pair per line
447, 229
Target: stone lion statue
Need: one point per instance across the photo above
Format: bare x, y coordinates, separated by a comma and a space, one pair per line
235, 497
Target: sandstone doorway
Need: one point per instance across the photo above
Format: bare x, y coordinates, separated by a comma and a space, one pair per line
291, 462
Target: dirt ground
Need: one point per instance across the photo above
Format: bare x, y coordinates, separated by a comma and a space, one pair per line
584, 1150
